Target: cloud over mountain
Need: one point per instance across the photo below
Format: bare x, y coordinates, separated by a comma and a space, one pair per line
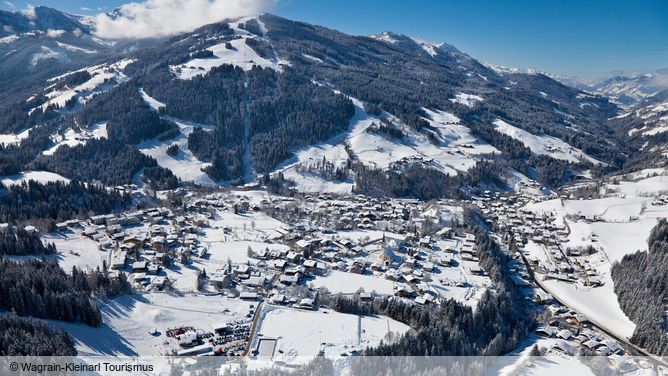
157, 18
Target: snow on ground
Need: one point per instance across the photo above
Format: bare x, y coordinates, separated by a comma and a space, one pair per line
73, 249
384, 37
457, 282
14, 139
184, 165
626, 220
312, 58
39, 176
251, 226
643, 174
454, 150
104, 77
552, 363
72, 48
128, 320
598, 304
519, 182
547, 145
312, 182
431, 48
609, 208
237, 251
73, 137
659, 129
348, 283
47, 53
154, 103
76, 250
240, 55
358, 236
328, 331
651, 186
380, 151
457, 140
468, 100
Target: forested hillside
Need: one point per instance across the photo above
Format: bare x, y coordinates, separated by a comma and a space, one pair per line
19, 242
640, 284
42, 289
57, 201
105, 161
25, 336
250, 115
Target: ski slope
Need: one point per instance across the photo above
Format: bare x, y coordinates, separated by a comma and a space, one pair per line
240, 55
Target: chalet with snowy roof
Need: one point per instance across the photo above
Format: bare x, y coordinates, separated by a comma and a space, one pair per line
306, 303
248, 295
139, 266
219, 279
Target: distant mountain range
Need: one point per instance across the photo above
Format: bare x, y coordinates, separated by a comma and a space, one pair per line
626, 89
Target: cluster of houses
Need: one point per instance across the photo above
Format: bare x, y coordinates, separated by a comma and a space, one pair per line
146, 243
6, 228
142, 242
402, 254
573, 331
508, 214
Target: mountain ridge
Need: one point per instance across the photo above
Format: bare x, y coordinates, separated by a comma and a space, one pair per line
291, 71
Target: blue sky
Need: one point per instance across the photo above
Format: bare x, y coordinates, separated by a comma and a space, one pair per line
589, 38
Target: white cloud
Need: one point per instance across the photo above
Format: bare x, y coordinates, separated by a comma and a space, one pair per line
156, 18
29, 12
10, 4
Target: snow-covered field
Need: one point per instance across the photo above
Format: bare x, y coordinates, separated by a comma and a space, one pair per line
128, 320
468, 100
76, 250
348, 283
104, 77
519, 182
328, 331
310, 182
184, 164
39, 176
73, 138
547, 145
13, 139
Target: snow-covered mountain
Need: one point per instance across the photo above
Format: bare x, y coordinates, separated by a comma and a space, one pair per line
624, 89
632, 89
42, 42
40, 19
568, 80
239, 99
